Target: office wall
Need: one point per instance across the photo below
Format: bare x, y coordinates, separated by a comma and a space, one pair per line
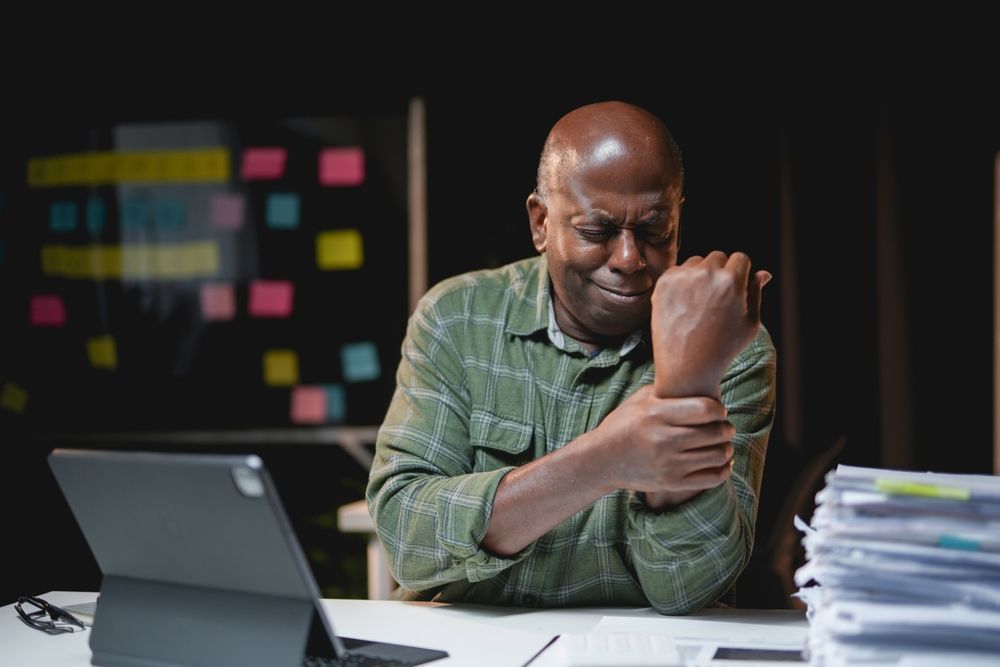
838, 142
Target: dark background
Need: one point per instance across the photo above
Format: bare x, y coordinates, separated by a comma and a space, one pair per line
939, 127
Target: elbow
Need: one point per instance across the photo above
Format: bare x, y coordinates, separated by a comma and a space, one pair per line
706, 587
675, 607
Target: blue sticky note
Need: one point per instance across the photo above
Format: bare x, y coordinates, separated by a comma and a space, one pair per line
359, 362
135, 213
282, 210
62, 216
336, 403
957, 542
169, 213
97, 215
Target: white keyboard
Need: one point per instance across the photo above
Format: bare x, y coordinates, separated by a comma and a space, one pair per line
618, 649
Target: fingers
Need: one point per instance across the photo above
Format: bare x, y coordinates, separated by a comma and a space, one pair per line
716, 259
754, 289
739, 265
690, 411
684, 440
714, 456
707, 478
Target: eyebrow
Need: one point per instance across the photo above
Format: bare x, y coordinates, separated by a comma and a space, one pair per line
601, 218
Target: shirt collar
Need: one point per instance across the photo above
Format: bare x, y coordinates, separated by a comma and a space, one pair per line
534, 311
530, 310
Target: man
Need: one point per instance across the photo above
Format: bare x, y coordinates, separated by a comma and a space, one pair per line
530, 455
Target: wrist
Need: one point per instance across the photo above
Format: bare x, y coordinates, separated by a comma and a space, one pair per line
659, 501
597, 466
680, 382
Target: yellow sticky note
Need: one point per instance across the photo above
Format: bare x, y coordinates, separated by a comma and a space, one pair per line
192, 165
339, 249
102, 352
13, 397
281, 368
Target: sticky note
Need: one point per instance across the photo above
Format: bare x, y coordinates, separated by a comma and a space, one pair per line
218, 301
133, 261
62, 216
359, 362
339, 249
958, 542
168, 212
189, 165
47, 310
97, 216
227, 211
102, 352
13, 397
343, 167
135, 213
260, 164
336, 403
281, 368
906, 488
308, 405
271, 298
282, 210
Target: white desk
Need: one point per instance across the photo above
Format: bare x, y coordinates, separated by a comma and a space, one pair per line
477, 636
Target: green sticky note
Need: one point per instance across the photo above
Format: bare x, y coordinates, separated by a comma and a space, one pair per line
282, 210
907, 488
135, 213
168, 213
336, 403
97, 215
359, 362
62, 216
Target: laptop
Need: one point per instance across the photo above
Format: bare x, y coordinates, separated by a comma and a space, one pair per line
201, 567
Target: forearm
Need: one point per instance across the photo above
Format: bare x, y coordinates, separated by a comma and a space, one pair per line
431, 526
535, 498
725, 516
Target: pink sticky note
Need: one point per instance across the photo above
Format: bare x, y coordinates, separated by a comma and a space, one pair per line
308, 405
271, 298
227, 211
218, 301
342, 166
47, 310
262, 164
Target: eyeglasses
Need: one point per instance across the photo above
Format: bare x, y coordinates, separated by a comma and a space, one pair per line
33, 611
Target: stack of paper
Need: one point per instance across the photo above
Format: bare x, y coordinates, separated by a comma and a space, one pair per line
906, 568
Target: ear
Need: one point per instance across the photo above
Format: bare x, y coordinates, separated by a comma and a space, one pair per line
538, 214
680, 205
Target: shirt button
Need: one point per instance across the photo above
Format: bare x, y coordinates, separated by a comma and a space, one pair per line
529, 599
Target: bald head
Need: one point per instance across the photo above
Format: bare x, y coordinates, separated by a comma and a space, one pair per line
611, 139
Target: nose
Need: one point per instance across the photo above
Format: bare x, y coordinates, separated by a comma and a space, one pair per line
626, 253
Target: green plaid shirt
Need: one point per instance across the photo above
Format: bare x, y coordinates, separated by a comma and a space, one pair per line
485, 384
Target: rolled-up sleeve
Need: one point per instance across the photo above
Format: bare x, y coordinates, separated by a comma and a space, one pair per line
690, 555
430, 509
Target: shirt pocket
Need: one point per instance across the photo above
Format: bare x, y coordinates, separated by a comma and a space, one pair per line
498, 441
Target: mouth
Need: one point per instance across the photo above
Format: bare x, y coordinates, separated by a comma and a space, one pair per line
623, 297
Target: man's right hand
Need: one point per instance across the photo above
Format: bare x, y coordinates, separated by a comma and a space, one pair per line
704, 312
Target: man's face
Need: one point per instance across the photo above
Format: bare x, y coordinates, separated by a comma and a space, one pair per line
608, 233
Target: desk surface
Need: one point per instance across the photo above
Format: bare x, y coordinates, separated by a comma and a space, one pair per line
472, 634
